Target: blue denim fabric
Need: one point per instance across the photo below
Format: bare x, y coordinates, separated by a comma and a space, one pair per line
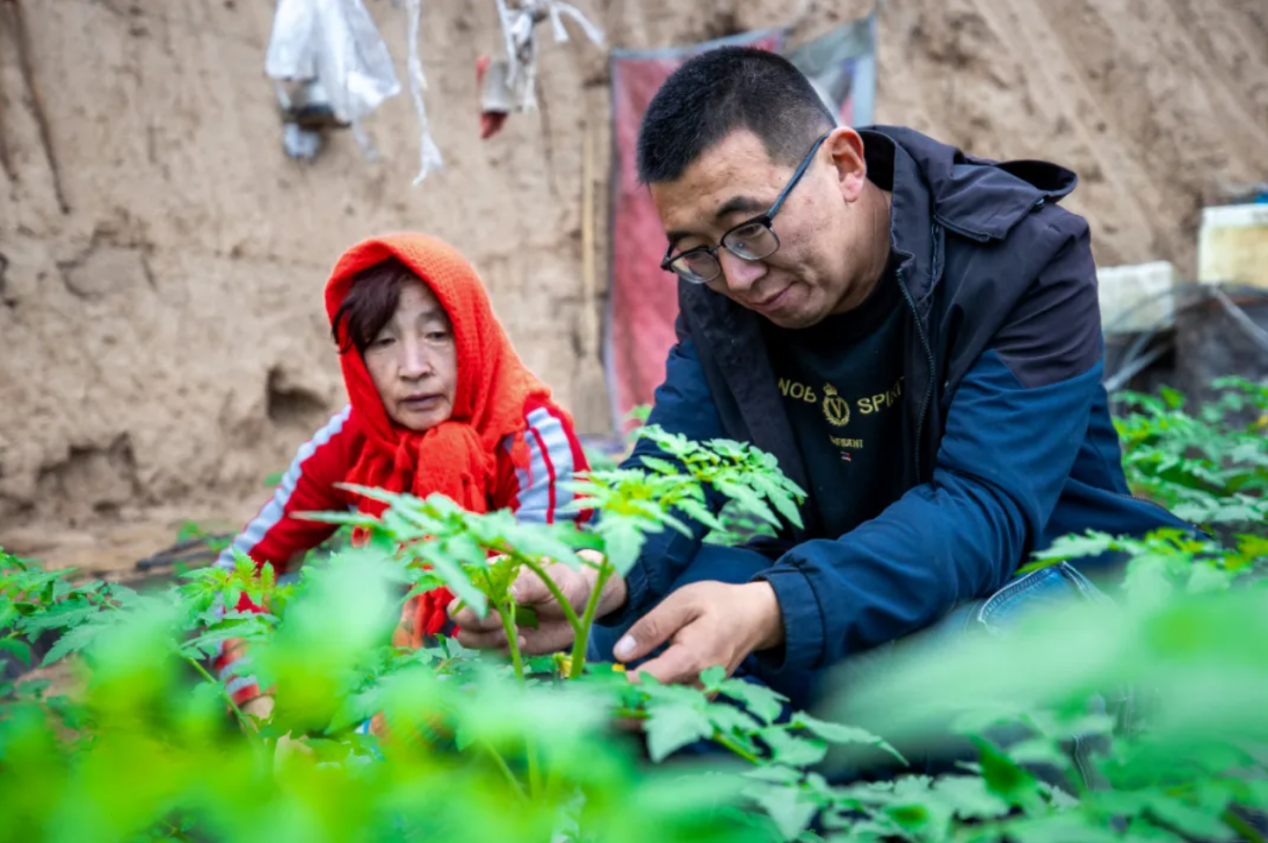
1046, 589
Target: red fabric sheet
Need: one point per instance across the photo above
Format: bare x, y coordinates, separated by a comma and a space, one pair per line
643, 299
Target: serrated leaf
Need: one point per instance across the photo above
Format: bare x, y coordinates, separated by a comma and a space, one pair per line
457, 580
789, 808
62, 615
839, 733
670, 727
775, 774
699, 513
622, 542
969, 799
18, 649
779, 499
537, 542
763, 702
791, 750
712, 677
1005, 778
72, 641
661, 466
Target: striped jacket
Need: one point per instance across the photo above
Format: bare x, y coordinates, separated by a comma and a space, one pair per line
275, 535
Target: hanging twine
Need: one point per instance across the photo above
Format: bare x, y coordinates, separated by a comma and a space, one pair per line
519, 32
429, 157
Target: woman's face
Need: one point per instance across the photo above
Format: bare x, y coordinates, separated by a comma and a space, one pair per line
413, 361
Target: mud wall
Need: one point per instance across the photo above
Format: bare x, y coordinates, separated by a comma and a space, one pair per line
162, 332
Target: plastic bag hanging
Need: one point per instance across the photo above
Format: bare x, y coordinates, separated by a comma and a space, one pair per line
518, 75
429, 157
335, 43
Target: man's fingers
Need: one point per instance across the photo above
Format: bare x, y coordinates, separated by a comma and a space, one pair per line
678, 665
657, 626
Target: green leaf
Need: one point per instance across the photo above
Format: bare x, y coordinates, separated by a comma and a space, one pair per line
1192, 822
969, 799
698, 512
712, 677
670, 727
456, 579
1005, 778
72, 641
779, 499
622, 541
789, 808
1173, 397
764, 703
791, 750
18, 649
537, 542
66, 614
526, 616
841, 734
660, 466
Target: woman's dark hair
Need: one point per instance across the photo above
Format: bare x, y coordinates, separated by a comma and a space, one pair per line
369, 304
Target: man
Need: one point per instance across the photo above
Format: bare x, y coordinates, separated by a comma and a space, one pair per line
913, 332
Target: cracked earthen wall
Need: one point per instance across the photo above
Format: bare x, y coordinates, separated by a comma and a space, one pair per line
163, 339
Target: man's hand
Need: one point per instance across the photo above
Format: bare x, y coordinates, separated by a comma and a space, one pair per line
705, 623
553, 632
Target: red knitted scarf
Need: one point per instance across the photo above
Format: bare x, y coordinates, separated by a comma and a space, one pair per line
457, 458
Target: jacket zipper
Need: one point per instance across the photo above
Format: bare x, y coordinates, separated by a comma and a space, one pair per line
924, 342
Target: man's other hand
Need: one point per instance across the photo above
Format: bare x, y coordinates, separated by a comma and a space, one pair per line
705, 623
553, 632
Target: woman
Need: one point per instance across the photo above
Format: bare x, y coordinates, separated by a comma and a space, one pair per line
438, 403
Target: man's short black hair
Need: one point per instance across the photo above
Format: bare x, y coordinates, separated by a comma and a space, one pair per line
720, 91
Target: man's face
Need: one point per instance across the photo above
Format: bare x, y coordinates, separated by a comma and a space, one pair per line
821, 237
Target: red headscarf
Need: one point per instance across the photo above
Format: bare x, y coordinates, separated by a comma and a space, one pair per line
457, 457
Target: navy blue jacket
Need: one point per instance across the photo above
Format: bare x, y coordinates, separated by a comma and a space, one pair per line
1012, 444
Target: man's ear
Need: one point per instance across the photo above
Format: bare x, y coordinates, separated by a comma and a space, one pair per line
845, 146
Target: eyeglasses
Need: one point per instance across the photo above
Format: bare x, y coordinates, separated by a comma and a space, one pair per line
751, 240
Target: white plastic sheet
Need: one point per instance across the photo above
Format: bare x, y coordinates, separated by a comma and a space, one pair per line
337, 43
429, 157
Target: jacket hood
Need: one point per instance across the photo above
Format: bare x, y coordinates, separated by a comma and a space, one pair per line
979, 197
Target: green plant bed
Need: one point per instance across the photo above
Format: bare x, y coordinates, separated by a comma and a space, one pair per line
481, 746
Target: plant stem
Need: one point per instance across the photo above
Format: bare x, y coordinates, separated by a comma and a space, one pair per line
534, 774
1238, 824
569, 613
506, 612
725, 740
583, 631
242, 718
506, 771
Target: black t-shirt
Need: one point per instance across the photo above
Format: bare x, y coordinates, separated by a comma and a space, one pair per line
841, 382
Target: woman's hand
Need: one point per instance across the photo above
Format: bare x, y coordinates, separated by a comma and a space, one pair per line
553, 632
287, 747
261, 708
